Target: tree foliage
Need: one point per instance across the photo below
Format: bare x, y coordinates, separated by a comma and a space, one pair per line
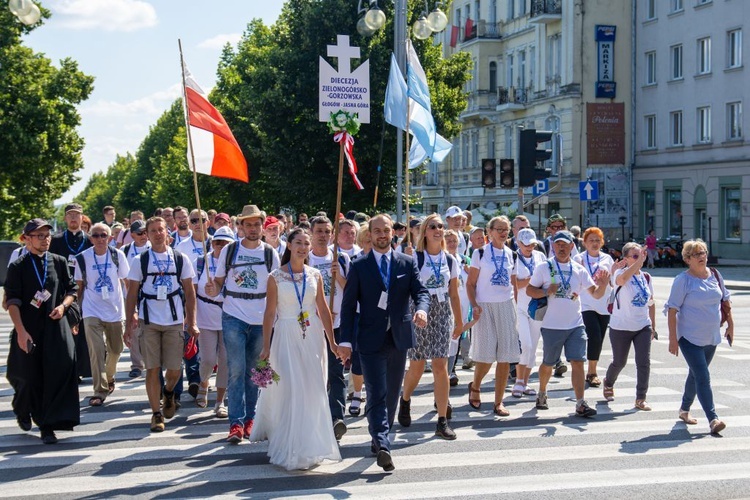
267, 90
40, 150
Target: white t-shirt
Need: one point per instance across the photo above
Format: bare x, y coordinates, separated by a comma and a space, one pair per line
135, 251
179, 239
208, 315
251, 276
437, 272
463, 296
101, 275
159, 311
493, 283
192, 249
564, 309
17, 254
523, 270
592, 266
354, 250
323, 264
634, 297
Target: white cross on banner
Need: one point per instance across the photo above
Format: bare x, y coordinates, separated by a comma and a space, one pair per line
344, 89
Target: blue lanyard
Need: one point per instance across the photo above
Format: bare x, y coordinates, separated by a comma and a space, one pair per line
73, 250
106, 261
565, 284
436, 269
637, 282
301, 297
588, 263
212, 266
530, 265
500, 269
158, 264
42, 281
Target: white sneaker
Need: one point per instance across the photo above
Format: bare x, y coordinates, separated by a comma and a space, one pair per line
221, 410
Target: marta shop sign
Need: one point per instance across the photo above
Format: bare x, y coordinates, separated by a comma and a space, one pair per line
344, 90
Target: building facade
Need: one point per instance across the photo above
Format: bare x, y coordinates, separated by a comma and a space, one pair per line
692, 158
539, 64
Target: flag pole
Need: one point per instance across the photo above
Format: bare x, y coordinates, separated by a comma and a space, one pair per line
336, 224
380, 163
407, 148
192, 160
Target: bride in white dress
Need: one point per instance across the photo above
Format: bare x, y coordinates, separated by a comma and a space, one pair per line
293, 414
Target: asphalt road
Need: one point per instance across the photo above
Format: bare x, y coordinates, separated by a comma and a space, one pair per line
621, 453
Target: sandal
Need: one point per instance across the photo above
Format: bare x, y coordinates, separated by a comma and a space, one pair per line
355, 411
111, 385
529, 391
593, 380
641, 404
685, 417
518, 389
501, 411
474, 403
609, 392
96, 401
201, 399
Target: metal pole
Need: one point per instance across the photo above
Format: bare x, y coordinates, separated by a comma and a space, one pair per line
399, 50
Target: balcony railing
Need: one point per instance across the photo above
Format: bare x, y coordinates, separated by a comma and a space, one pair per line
481, 100
540, 7
482, 30
512, 95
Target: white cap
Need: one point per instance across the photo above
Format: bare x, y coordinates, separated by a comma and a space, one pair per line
453, 211
527, 236
224, 233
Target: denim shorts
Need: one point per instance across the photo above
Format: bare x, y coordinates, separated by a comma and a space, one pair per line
574, 341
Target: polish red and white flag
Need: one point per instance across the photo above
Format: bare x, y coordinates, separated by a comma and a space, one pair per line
215, 149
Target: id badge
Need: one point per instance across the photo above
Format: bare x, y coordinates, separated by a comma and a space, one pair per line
40, 298
441, 296
383, 302
105, 293
161, 292
72, 261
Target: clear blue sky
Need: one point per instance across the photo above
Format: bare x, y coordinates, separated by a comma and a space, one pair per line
130, 46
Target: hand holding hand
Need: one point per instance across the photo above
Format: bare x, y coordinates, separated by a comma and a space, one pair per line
457, 331
420, 319
344, 353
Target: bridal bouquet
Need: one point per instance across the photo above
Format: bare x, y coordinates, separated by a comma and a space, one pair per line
263, 374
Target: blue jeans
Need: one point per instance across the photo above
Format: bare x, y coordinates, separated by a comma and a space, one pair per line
698, 380
243, 343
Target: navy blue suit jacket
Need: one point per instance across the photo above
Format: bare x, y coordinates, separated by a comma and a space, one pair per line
364, 286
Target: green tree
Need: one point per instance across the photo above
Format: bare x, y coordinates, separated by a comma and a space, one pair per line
41, 150
102, 188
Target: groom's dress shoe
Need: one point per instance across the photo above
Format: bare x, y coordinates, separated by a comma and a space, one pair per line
404, 413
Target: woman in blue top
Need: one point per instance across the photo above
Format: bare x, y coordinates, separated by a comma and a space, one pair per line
694, 317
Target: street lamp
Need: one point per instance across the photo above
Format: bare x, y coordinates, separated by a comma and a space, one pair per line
371, 20
25, 10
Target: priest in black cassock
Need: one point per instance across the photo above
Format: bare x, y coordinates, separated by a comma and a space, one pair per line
40, 294
68, 244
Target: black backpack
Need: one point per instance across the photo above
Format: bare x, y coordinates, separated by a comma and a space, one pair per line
143, 297
420, 261
82, 263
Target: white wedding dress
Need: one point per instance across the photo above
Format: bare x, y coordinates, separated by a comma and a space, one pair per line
293, 414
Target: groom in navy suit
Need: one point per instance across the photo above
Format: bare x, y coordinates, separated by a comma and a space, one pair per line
382, 284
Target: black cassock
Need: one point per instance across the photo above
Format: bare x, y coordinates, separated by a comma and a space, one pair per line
69, 245
45, 381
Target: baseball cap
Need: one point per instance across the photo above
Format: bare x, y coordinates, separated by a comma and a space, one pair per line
527, 236
555, 218
73, 207
223, 216
415, 222
351, 214
563, 235
224, 233
453, 211
475, 229
270, 221
399, 225
137, 226
35, 224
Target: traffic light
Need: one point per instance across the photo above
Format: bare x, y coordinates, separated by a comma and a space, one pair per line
507, 173
529, 169
488, 172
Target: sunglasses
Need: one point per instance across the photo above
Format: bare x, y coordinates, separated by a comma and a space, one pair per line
435, 226
196, 221
99, 235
